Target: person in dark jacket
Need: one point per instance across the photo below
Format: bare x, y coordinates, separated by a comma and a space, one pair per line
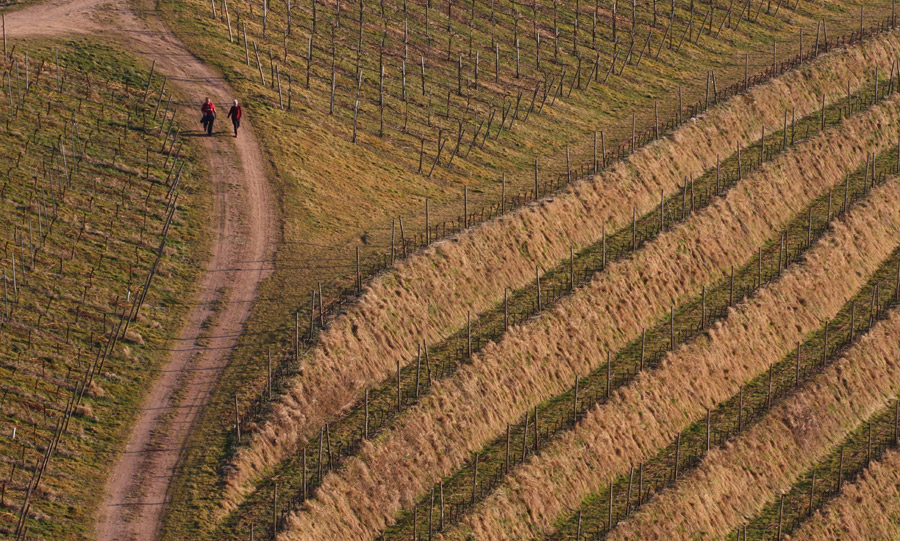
209, 115
235, 114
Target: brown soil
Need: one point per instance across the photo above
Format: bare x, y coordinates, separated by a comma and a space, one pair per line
242, 244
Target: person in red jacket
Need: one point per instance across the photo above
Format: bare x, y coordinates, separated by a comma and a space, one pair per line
235, 114
209, 115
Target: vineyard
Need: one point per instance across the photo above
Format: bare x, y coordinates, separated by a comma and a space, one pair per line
441, 303
471, 269
101, 238
440, 374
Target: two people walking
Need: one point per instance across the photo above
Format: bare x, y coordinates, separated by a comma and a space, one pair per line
208, 109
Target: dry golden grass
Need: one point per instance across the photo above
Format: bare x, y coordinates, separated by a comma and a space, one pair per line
649, 414
867, 509
540, 359
428, 296
737, 481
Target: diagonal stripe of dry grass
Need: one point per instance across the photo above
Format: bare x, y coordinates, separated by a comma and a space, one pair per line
866, 509
648, 415
540, 359
738, 480
429, 295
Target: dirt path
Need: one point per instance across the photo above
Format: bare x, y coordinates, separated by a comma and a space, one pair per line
241, 251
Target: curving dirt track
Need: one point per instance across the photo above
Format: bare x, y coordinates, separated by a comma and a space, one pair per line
243, 231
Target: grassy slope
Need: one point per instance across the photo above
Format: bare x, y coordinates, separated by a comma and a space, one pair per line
303, 150
737, 481
556, 414
345, 433
757, 397
845, 461
324, 219
620, 434
104, 232
541, 358
431, 288
867, 509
